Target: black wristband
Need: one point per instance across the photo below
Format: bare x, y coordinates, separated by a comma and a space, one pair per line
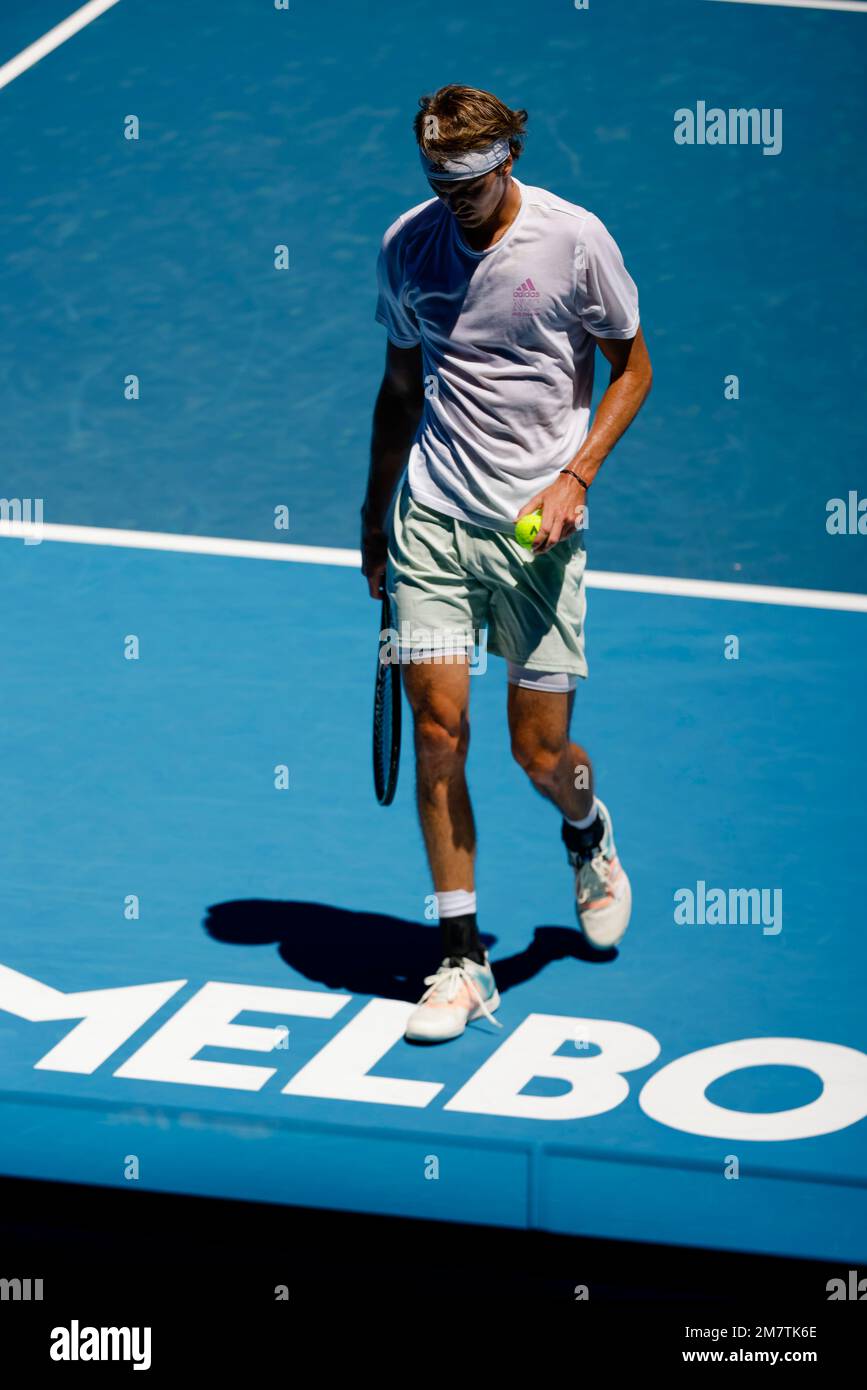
586, 486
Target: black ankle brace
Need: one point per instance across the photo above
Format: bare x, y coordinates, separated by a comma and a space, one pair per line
460, 937
582, 843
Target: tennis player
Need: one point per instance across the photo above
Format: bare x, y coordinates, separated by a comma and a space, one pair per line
495, 297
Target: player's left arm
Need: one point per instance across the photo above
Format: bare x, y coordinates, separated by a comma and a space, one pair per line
563, 502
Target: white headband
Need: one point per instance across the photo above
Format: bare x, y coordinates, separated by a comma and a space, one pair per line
468, 165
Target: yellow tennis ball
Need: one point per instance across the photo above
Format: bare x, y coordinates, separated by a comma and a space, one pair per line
527, 529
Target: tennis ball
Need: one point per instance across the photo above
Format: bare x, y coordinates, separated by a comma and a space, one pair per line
527, 529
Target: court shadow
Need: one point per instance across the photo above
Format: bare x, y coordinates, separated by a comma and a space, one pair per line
369, 952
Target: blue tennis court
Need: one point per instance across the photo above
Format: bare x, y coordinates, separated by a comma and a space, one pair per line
211, 935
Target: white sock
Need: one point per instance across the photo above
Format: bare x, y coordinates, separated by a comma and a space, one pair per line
456, 903
588, 819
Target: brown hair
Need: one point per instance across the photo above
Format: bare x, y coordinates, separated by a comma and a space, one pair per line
456, 119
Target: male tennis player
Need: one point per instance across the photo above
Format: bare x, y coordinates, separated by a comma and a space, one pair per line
495, 296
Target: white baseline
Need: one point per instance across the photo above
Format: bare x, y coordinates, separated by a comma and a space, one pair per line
850, 5
351, 559
31, 55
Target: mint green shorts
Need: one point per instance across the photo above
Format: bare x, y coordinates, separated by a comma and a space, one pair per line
449, 582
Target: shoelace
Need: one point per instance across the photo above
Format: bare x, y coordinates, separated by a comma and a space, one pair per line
598, 865
449, 978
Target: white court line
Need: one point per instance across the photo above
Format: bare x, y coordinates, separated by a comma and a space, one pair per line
53, 39
719, 589
851, 5
351, 559
188, 545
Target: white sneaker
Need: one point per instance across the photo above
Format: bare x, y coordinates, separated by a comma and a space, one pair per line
603, 895
456, 995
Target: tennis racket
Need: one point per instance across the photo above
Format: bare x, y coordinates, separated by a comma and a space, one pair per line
386, 715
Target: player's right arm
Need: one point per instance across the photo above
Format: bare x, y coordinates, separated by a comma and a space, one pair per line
396, 417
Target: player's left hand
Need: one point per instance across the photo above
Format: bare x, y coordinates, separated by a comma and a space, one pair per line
563, 507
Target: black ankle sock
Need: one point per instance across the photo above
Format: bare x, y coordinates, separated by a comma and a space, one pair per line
583, 842
461, 938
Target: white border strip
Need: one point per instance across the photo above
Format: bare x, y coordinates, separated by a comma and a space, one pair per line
351, 559
851, 5
31, 55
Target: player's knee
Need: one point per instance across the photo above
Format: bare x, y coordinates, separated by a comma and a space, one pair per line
540, 762
441, 737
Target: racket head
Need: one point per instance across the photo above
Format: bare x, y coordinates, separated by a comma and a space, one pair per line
386, 715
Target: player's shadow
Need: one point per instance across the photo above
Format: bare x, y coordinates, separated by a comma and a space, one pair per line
370, 953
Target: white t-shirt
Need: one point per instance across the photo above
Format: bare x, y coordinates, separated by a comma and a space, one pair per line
506, 346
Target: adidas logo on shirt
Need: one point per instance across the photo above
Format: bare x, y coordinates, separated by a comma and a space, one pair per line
526, 298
